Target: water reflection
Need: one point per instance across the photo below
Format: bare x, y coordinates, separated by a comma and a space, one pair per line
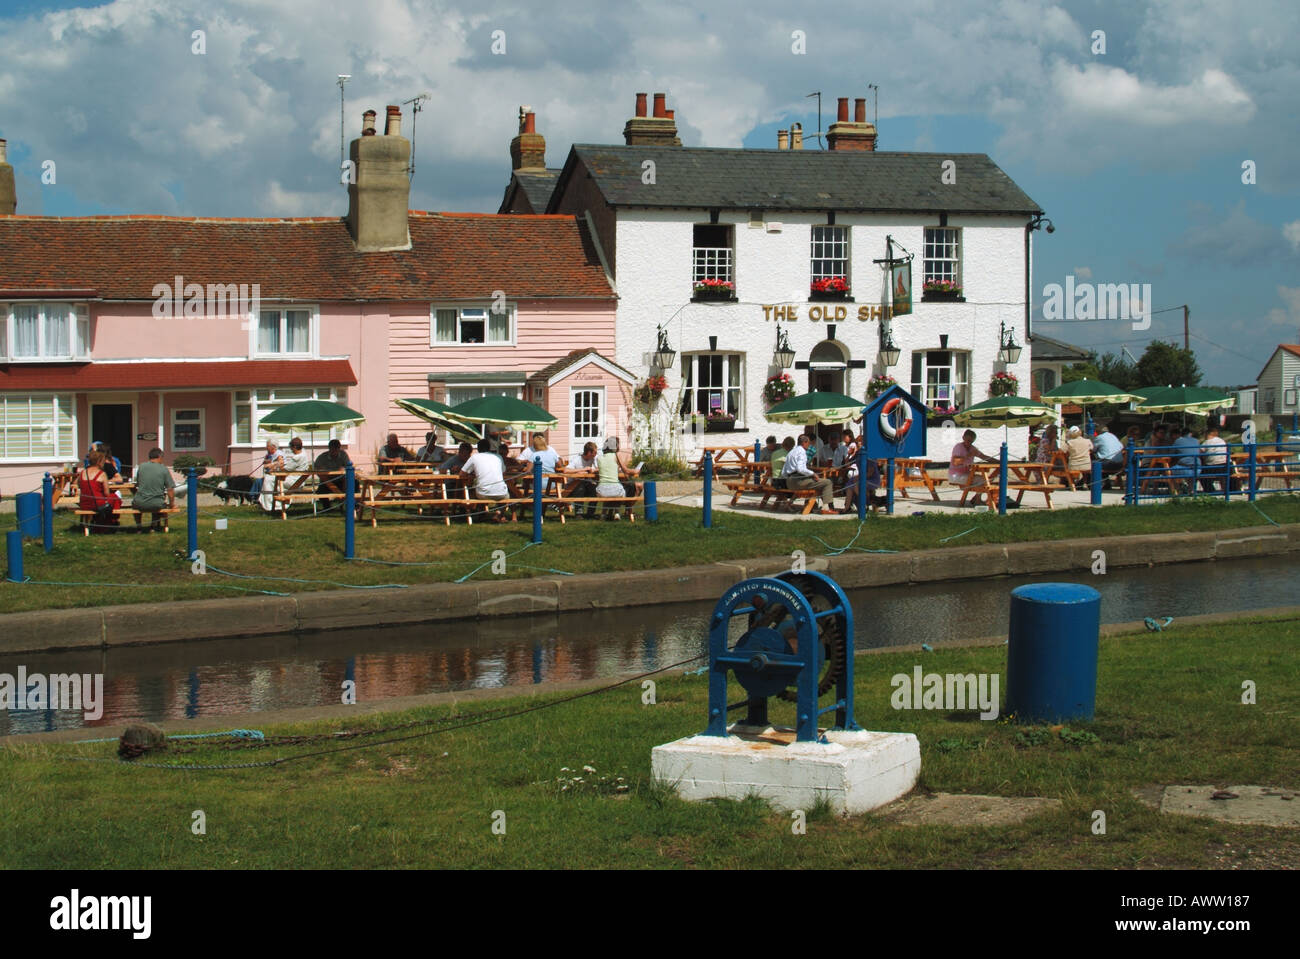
225, 677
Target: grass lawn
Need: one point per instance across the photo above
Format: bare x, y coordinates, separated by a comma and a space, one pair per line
308, 550
1168, 711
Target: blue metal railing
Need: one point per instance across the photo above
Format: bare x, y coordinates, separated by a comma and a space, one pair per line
1247, 470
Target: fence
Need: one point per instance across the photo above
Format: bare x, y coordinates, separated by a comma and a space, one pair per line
1247, 469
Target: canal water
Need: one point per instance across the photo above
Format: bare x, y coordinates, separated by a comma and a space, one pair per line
217, 678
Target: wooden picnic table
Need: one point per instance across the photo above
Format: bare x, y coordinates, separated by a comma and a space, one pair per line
300, 486
725, 457
1022, 478
903, 481
409, 488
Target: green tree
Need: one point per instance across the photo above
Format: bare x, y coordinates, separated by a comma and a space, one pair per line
1116, 371
1164, 364
1086, 370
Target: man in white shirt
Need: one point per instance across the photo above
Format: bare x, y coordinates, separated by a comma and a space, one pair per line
489, 475
797, 475
1214, 460
430, 452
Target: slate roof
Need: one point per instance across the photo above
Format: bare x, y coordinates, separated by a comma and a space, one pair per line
454, 256
848, 180
1046, 349
546, 372
536, 186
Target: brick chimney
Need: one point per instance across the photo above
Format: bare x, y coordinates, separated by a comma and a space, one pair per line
855, 134
796, 136
659, 130
8, 192
378, 200
528, 149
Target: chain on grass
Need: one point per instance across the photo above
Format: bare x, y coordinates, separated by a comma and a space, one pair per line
479, 719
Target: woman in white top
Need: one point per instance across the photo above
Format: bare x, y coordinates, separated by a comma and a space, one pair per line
273, 462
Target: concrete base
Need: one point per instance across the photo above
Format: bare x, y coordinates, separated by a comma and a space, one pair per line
855, 772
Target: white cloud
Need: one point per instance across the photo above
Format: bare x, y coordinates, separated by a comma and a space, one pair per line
1083, 272
1292, 233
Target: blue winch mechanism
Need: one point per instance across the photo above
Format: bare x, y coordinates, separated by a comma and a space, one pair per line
796, 645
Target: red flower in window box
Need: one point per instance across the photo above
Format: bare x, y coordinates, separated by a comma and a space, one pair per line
830, 284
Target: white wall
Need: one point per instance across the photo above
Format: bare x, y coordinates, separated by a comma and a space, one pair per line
654, 285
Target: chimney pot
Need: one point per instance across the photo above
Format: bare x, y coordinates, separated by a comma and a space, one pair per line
783, 139
661, 104
530, 123
796, 136
860, 110
393, 128
843, 115
671, 114
3, 153
640, 104
368, 123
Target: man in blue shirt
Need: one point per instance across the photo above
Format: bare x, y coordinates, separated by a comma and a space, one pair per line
1110, 451
1188, 455
797, 475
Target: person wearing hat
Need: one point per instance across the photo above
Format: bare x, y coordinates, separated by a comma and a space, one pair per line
1079, 448
610, 469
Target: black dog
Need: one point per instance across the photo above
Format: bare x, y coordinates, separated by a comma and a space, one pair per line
237, 488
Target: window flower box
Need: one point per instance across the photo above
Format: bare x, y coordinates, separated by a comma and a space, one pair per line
941, 291
714, 290
720, 424
830, 289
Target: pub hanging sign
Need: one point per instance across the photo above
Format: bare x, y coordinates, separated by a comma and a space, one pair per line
900, 285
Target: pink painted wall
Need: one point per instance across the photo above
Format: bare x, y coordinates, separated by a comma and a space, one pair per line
559, 402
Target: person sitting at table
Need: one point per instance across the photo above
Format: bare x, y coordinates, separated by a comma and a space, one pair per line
962, 459
1187, 461
610, 469
456, 463
816, 448
297, 460
1079, 449
798, 476
1214, 461
334, 458
1111, 453
393, 452
845, 451
486, 468
872, 484
540, 453
1047, 445
272, 454
584, 486
112, 465
272, 462
1159, 437
155, 488
770, 447
92, 483
430, 452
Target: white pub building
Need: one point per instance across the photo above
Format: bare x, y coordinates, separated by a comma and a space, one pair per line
726, 253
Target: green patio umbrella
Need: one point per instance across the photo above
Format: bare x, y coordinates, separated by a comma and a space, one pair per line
310, 415
1087, 392
435, 414
1006, 411
503, 411
815, 407
1185, 399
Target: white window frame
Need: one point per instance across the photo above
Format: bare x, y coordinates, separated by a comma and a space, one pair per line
692, 390
313, 333
942, 254
959, 389
836, 242
436, 344
78, 333
61, 401
256, 438
203, 430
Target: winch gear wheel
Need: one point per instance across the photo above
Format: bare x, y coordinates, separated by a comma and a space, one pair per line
830, 630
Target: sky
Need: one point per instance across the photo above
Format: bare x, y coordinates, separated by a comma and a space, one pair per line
1135, 140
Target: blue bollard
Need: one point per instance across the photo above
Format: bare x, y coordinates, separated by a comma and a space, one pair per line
862, 484
14, 547
349, 512
1096, 483
889, 486
28, 509
47, 494
537, 502
708, 490
192, 511
1130, 476
1052, 652
1002, 481
651, 502
758, 450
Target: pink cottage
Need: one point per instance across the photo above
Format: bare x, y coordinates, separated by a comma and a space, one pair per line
183, 333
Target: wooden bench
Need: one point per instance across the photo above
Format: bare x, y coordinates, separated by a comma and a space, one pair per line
768, 490
470, 505
126, 511
903, 482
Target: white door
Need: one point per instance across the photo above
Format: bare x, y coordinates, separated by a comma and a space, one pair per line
586, 417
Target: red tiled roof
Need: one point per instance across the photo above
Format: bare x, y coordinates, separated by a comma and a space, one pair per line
453, 256
201, 375
1289, 348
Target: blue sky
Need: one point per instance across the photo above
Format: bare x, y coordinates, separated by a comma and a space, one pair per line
1135, 153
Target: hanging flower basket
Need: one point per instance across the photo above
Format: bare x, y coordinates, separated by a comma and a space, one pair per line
829, 288
650, 390
1003, 384
778, 388
878, 385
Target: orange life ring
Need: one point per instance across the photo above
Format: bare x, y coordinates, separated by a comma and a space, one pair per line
895, 433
